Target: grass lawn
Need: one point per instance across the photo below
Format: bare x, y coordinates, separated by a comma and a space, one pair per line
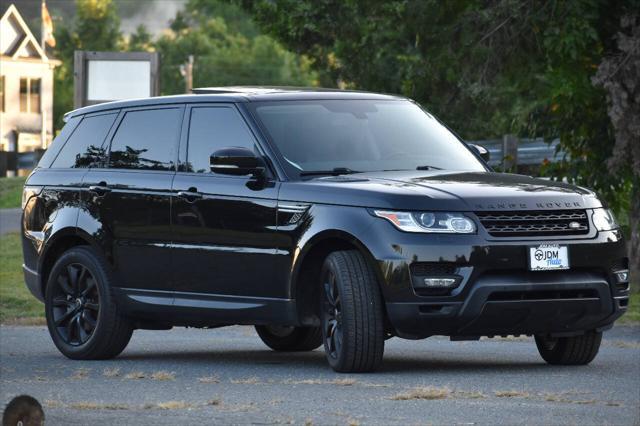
11, 192
633, 314
17, 305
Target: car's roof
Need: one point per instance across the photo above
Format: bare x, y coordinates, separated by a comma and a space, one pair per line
238, 94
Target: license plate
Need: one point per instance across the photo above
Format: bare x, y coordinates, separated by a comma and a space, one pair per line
547, 257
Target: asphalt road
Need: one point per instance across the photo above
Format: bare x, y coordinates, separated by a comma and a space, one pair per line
9, 220
226, 376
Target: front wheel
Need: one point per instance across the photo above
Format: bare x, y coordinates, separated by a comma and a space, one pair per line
351, 313
574, 350
83, 319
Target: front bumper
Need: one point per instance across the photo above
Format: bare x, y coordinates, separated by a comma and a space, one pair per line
497, 294
32, 279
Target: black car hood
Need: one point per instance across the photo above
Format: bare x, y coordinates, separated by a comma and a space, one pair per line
439, 190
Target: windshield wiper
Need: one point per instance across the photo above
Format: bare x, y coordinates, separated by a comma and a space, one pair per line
428, 168
335, 172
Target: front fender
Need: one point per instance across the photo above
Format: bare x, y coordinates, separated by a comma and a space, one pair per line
353, 226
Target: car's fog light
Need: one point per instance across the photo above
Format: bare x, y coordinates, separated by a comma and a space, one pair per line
440, 282
622, 276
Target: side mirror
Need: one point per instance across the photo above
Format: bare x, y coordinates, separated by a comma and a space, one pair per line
481, 150
236, 161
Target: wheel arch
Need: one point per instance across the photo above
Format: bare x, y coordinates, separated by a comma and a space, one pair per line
307, 265
56, 245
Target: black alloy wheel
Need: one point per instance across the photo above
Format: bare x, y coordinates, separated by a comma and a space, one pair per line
83, 316
76, 304
332, 314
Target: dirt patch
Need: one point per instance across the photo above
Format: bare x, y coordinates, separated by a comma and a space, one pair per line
336, 382
163, 375
247, 381
135, 375
111, 372
511, 394
80, 374
209, 379
469, 394
172, 405
428, 392
98, 406
623, 344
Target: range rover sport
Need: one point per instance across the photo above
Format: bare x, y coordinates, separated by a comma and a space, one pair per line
323, 218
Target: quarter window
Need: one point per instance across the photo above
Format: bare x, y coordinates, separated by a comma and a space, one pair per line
84, 146
146, 139
212, 128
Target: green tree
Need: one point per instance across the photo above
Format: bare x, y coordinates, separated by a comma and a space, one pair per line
486, 67
228, 50
96, 26
619, 75
141, 40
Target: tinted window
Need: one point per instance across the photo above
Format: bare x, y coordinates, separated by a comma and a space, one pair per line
84, 146
361, 135
146, 140
212, 128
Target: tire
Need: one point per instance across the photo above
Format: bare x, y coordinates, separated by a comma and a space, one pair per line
351, 313
290, 339
575, 350
78, 298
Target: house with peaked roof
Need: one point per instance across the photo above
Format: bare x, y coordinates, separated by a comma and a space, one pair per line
26, 87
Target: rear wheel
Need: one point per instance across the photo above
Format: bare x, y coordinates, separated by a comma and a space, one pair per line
574, 350
290, 339
351, 313
83, 319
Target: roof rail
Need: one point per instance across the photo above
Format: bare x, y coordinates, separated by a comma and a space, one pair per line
240, 89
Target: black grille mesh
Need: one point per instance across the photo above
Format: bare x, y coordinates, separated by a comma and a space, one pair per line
534, 223
433, 268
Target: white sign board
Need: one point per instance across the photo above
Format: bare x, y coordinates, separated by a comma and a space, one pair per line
117, 80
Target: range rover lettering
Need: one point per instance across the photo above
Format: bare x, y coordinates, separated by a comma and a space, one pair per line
321, 217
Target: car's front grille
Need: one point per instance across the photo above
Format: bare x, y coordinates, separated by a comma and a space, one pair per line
534, 223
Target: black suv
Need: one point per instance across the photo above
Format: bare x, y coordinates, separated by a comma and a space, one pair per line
321, 217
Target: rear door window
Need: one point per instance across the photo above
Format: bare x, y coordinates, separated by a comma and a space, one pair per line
84, 147
147, 139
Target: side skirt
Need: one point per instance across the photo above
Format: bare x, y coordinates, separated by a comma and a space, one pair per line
205, 310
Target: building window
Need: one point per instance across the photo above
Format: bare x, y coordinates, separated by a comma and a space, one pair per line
30, 95
2, 93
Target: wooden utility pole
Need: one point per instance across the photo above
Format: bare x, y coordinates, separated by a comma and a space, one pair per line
510, 153
187, 72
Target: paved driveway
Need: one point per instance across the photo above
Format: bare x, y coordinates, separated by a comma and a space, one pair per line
226, 376
9, 220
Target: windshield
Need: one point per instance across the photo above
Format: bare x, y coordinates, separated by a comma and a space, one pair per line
361, 136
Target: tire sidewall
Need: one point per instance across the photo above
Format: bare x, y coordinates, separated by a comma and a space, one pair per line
330, 265
88, 259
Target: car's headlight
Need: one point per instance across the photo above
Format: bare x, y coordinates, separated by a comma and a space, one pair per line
441, 222
603, 220
28, 192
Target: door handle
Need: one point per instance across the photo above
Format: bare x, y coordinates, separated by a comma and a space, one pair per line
189, 195
100, 189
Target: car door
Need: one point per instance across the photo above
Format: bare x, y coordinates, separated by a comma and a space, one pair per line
131, 197
224, 226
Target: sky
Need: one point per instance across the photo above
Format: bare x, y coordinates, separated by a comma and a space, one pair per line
154, 14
